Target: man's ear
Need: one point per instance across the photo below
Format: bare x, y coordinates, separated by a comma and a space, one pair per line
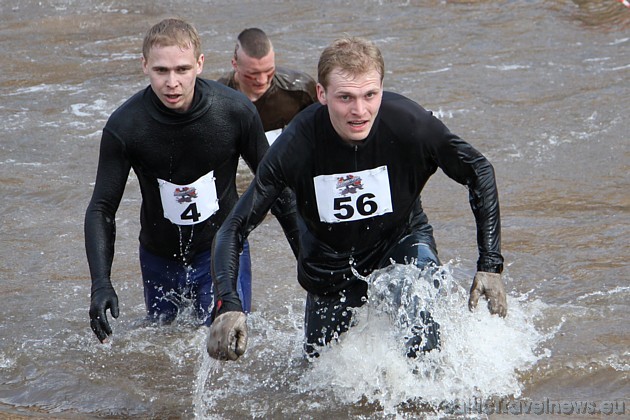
321, 94
200, 62
144, 65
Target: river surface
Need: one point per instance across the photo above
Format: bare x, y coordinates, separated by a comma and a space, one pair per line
541, 87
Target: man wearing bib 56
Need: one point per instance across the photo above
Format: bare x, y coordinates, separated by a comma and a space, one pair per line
183, 137
357, 163
277, 92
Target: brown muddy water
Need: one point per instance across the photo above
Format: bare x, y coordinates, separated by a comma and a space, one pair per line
541, 87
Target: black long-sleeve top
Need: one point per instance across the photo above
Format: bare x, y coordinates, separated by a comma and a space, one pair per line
160, 144
405, 139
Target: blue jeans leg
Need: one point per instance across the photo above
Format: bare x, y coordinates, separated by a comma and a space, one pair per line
170, 285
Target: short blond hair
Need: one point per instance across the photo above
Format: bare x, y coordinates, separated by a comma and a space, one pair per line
171, 32
352, 55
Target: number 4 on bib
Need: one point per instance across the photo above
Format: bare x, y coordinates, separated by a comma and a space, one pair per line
189, 204
191, 213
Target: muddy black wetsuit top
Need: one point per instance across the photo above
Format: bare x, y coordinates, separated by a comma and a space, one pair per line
355, 202
289, 93
186, 167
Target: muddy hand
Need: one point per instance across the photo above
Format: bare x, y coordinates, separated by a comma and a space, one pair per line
490, 286
227, 338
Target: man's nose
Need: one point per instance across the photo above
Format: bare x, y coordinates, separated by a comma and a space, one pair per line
171, 80
359, 107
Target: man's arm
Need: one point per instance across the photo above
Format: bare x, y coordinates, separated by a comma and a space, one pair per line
284, 208
460, 161
249, 212
100, 231
227, 338
464, 164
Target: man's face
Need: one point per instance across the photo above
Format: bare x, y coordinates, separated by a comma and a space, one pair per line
254, 75
172, 73
353, 102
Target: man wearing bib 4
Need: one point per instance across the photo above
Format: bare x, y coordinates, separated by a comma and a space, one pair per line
277, 92
357, 163
183, 137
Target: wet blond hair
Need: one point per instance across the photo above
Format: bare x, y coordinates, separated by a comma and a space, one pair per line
352, 55
170, 32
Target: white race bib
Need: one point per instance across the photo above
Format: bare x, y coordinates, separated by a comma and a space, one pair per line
272, 135
189, 204
353, 196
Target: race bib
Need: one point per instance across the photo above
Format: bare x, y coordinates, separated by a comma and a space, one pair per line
272, 135
353, 196
189, 204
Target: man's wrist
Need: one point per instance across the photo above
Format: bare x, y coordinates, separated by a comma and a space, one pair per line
490, 268
224, 306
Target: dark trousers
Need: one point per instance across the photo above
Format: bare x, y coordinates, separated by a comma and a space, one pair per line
326, 317
170, 285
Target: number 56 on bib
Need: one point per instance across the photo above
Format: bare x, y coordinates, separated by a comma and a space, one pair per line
353, 196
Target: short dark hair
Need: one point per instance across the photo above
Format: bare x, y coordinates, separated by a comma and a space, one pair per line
254, 42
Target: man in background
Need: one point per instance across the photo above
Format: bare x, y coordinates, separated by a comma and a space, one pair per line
278, 93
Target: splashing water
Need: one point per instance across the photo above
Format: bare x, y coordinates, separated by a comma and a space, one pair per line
481, 355
207, 367
367, 373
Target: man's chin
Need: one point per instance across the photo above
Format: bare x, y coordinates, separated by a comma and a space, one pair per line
357, 135
173, 105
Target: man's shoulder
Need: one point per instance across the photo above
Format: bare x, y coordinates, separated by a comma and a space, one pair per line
403, 115
389, 96
225, 94
213, 85
400, 103
227, 79
134, 99
128, 110
294, 80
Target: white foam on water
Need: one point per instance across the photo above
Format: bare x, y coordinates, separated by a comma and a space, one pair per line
619, 41
618, 362
445, 114
481, 355
509, 67
616, 290
6, 362
442, 70
77, 110
43, 87
99, 107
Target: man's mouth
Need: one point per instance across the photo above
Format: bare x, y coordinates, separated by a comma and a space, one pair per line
358, 124
172, 97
